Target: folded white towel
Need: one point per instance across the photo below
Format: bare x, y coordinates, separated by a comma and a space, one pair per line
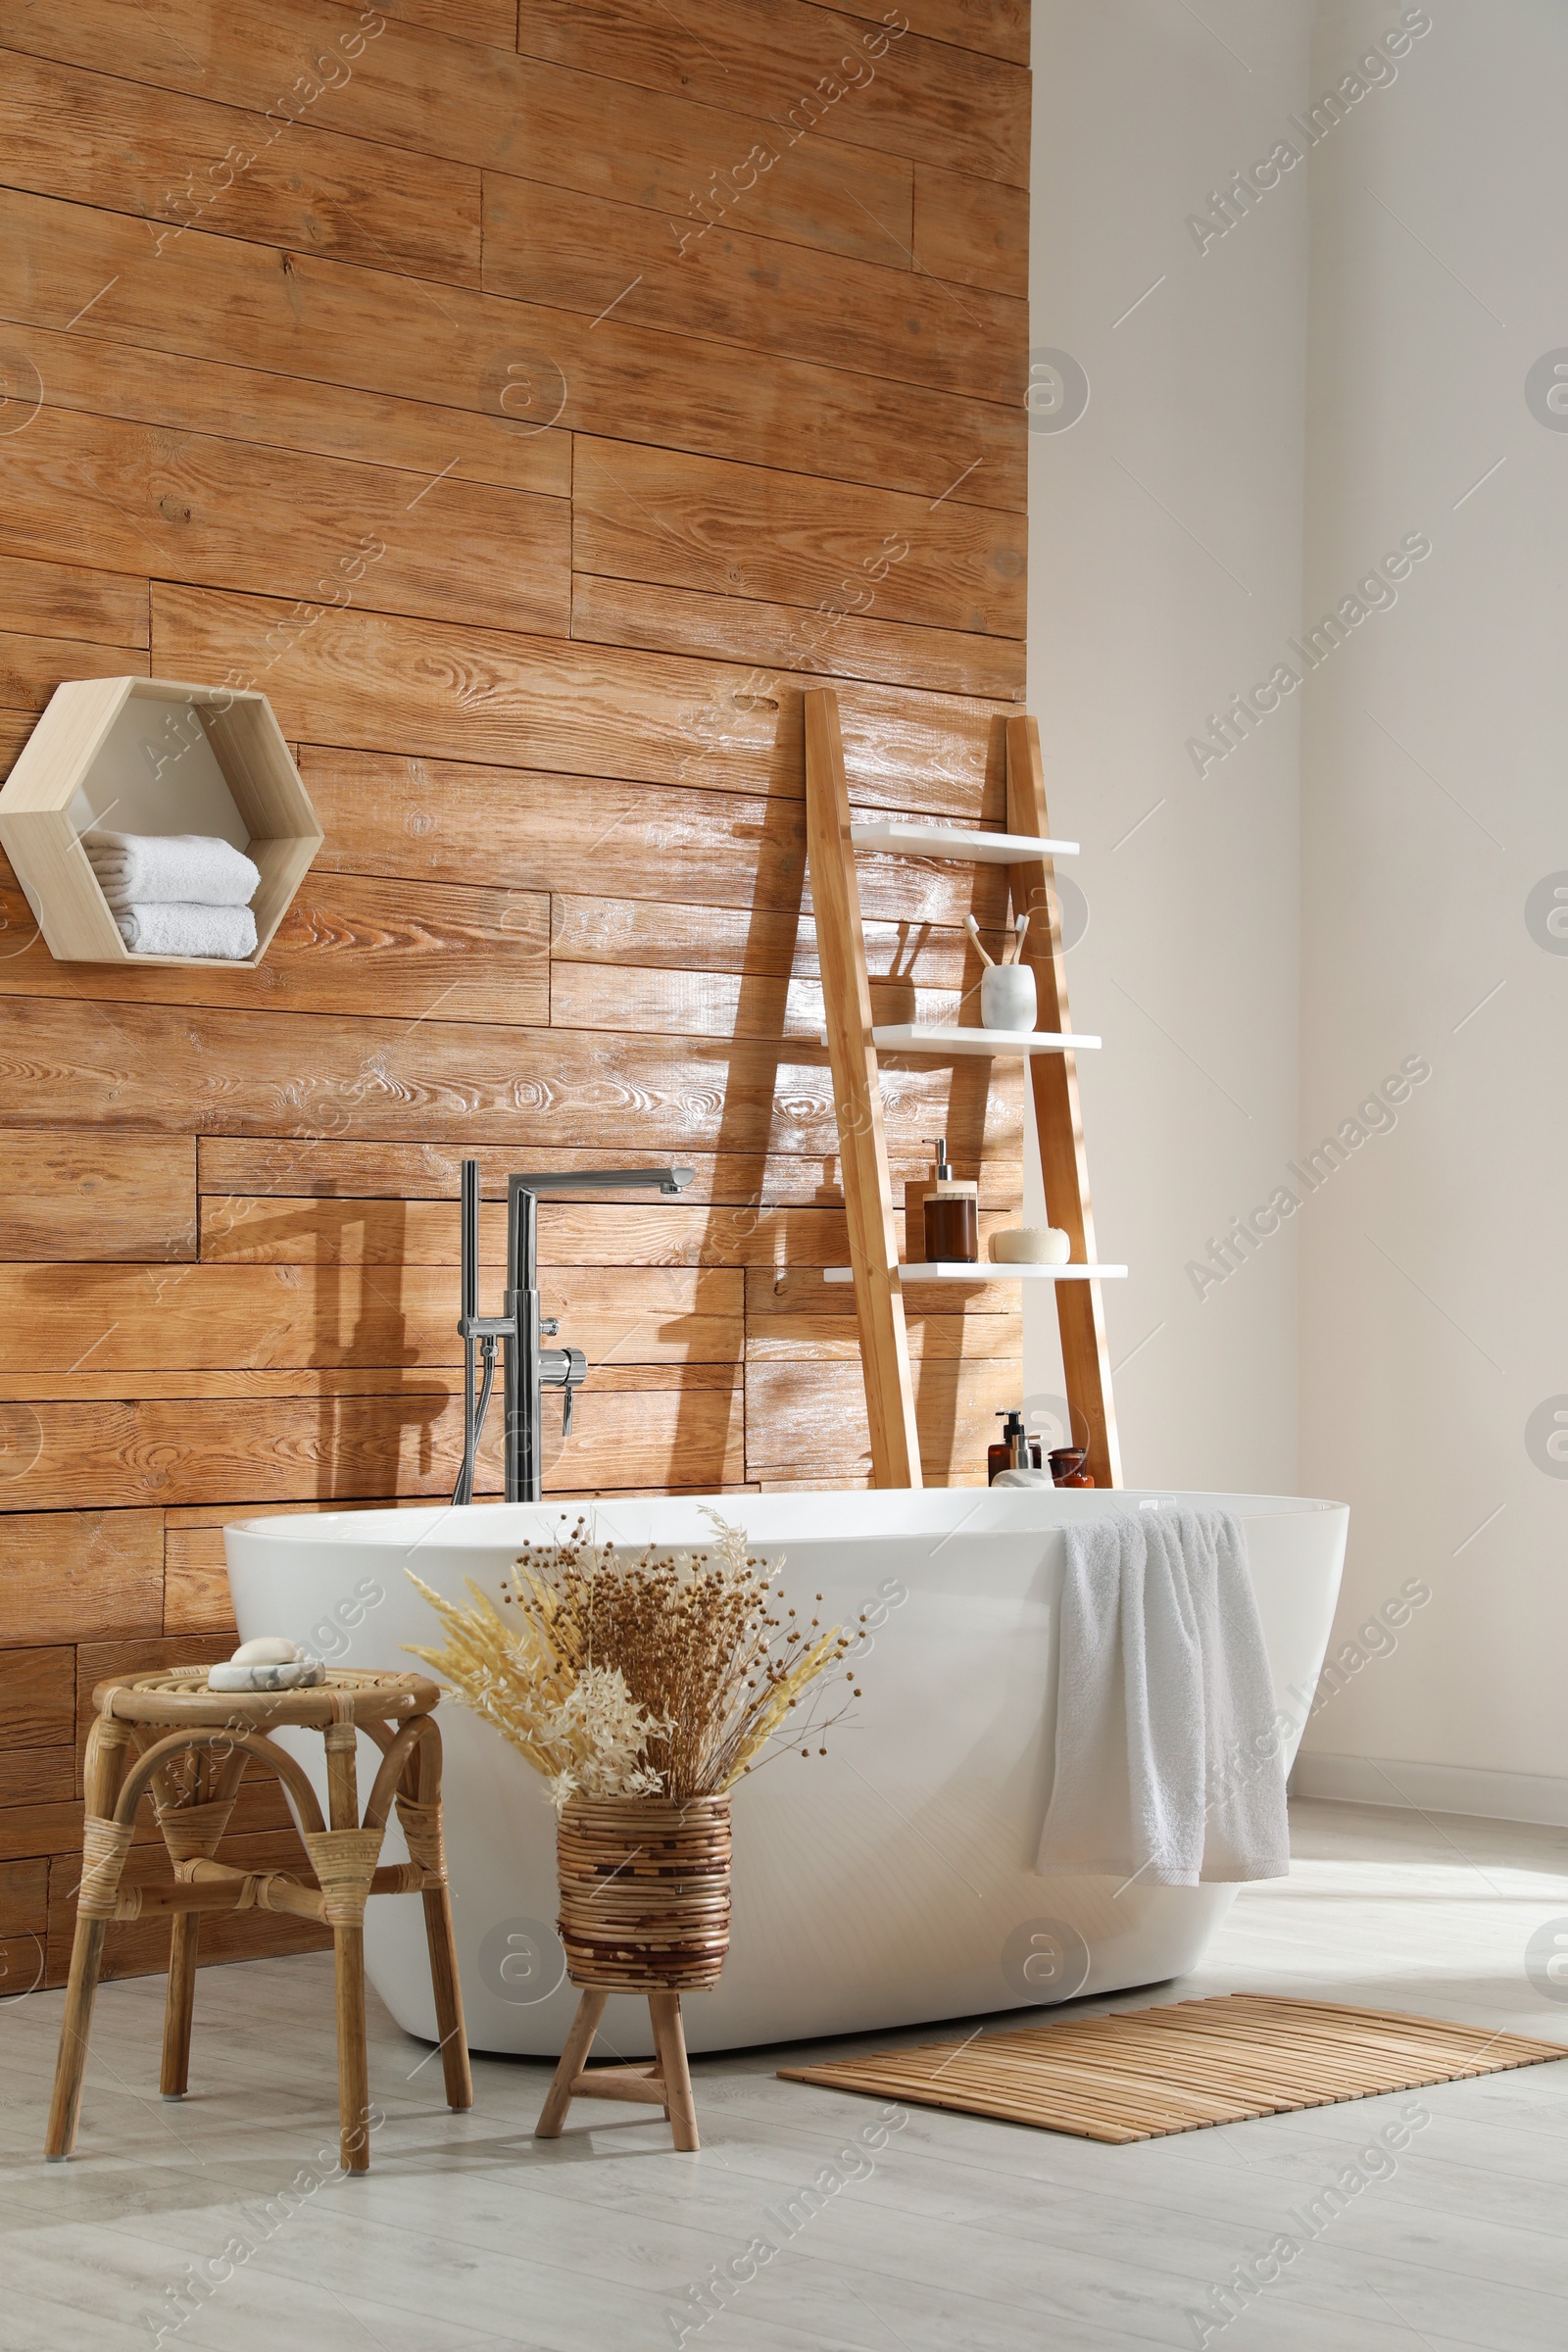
227, 933
1168, 1746
192, 870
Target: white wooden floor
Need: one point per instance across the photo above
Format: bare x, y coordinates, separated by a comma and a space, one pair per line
958, 2235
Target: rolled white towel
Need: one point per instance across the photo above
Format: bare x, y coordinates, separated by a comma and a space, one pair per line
227, 933
190, 869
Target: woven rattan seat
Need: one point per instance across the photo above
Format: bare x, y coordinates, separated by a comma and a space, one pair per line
167, 1735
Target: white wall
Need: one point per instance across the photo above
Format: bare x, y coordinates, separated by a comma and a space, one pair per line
1165, 571
1396, 912
1434, 1292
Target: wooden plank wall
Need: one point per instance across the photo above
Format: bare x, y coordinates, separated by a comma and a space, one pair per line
670, 360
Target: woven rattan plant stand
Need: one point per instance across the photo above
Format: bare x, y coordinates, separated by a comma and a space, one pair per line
644, 1908
167, 1735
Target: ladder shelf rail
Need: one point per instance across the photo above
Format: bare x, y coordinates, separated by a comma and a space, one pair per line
854, 1038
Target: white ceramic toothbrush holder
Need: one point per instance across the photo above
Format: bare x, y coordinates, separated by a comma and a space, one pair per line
1007, 997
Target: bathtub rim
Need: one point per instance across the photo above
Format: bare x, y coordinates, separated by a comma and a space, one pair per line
473, 1525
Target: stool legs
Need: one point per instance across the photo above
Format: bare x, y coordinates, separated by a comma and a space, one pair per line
64, 2108
194, 1796
193, 1811
457, 2074
424, 1768
667, 2083
105, 1769
353, 2066
348, 1963
175, 2078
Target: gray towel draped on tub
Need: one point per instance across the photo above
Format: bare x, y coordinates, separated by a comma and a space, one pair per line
1168, 1746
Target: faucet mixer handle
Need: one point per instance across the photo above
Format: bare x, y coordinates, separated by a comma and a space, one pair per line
576, 1373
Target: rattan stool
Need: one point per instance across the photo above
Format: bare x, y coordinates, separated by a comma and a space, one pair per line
192, 1746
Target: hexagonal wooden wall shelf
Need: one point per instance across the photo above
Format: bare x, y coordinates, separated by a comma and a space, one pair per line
150, 756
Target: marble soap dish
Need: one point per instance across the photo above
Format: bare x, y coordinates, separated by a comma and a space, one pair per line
269, 1663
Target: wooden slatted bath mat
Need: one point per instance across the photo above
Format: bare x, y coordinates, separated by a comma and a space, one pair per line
1183, 2066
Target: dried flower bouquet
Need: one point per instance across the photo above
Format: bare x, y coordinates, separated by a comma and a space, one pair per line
663, 1675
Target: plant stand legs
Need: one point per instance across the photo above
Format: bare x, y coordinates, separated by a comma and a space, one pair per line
670, 2040
667, 2083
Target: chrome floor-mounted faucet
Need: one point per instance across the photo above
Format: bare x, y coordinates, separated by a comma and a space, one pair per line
527, 1369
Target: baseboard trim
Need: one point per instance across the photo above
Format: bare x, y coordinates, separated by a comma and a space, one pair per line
1434, 1788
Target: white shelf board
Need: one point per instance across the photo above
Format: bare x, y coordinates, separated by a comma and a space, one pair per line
917, 1037
956, 1270
951, 840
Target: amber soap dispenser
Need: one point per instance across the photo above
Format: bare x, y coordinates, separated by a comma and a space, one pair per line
952, 1214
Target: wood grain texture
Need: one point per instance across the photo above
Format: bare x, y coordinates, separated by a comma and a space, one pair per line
447, 821
714, 1004
973, 230
335, 1319
36, 1775
32, 667
72, 1575
467, 693
801, 638
337, 323
196, 1594
37, 1696
812, 1339
808, 1419
906, 96
746, 532
566, 251
63, 600
644, 935
187, 395
314, 529
79, 1193
14, 728
148, 1065
187, 163
111, 1456
411, 97
687, 164
348, 943
29, 1831
332, 1169
291, 276
492, 21
24, 1897
219, 299
415, 1234
998, 27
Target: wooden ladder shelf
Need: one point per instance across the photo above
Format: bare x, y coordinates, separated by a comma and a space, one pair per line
852, 1041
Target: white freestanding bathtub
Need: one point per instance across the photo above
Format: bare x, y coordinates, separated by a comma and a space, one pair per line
888, 1883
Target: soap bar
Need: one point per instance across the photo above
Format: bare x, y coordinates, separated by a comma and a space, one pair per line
268, 1649
296, 1673
1031, 1246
